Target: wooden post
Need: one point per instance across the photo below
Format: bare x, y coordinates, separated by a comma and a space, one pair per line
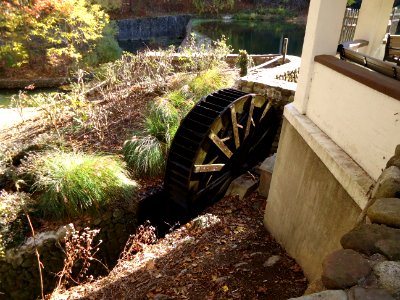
284, 49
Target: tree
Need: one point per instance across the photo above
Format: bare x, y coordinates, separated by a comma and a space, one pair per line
54, 31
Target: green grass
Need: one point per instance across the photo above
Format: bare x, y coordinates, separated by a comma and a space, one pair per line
69, 184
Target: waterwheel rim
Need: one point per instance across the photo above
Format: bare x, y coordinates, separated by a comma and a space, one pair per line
225, 134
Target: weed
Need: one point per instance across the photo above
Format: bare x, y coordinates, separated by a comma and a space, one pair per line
79, 250
68, 184
145, 235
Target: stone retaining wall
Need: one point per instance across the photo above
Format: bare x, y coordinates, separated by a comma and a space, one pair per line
368, 266
147, 28
19, 275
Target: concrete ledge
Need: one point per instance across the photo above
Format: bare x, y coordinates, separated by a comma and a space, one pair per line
347, 172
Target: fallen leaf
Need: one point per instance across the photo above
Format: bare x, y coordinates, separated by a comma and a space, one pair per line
225, 288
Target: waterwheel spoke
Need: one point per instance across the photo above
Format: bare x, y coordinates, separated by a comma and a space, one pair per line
267, 108
220, 144
249, 119
208, 168
235, 127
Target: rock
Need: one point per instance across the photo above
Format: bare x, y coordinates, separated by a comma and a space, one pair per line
161, 297
375, 259
242, 186
359, 293
394, 161
272, 260
266, 169
397, 151
238, 265
205, 221
385, 211
388, 273
389, 248
364, 237
315, 287
325, 295
344, 268
388, 183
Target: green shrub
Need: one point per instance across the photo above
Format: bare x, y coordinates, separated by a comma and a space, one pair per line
68, 184
107, 48
145, 155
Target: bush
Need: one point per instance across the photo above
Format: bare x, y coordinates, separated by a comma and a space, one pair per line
68, 184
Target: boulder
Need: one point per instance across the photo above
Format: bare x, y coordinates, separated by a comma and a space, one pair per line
325, 295
389, 248
359, 293
364, 238
397, 151
388, 183
388, 273
394, 161
242, 186
344, 268
385, 211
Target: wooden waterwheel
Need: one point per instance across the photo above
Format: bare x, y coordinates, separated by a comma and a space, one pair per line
225, 134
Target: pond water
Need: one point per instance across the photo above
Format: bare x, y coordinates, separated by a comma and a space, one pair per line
257, 37
5, 97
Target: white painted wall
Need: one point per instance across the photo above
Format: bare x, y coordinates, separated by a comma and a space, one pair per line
362, 121
372, 23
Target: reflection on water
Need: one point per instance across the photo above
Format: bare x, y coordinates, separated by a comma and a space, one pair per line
257, 37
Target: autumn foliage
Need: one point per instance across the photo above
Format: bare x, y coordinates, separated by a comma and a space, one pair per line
51, 32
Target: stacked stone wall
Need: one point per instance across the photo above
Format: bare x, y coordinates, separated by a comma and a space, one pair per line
368, 266
19, 274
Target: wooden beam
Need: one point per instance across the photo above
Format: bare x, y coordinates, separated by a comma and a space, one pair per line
249, 119
208, 168
267, 108
220, 144
235, 127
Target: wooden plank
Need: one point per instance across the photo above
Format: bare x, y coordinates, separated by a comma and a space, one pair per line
235, 127
249, 119
267, 108
220, 144
208, 168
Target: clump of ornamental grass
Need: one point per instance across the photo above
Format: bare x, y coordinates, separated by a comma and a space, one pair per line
209, 81
69, 184
146, 153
